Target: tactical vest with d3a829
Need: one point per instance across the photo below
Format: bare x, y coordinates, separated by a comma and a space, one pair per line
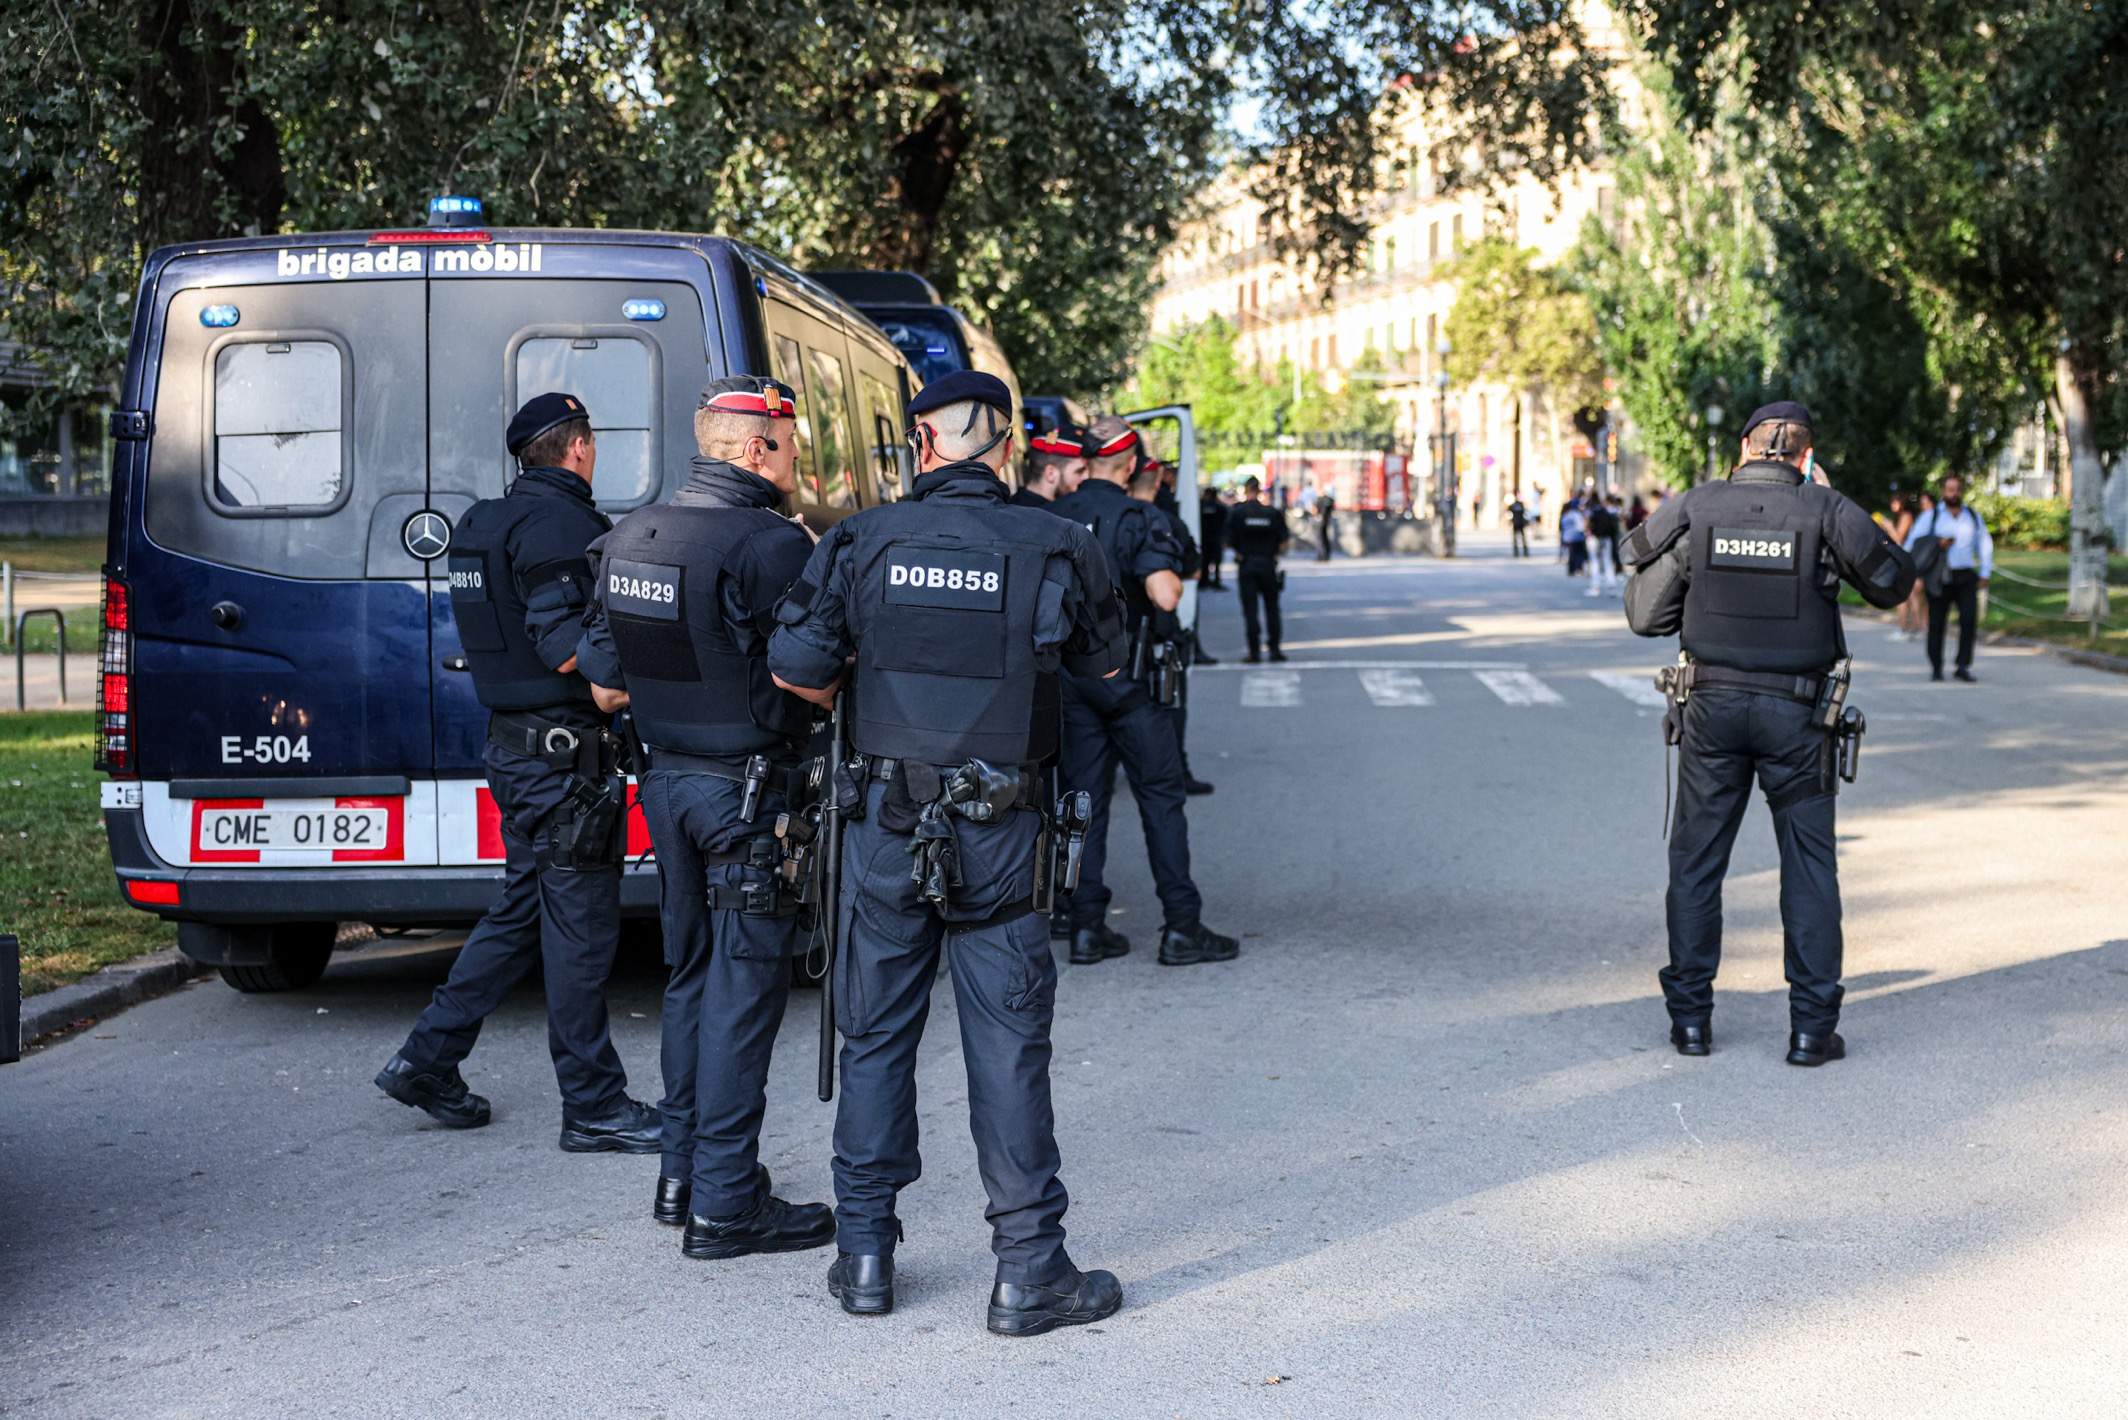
692, 686
1759, 599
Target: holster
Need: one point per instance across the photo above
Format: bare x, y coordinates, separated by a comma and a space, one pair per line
773, 895
587, 832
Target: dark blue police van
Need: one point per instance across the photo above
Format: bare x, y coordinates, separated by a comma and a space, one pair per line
290, 737
935, 338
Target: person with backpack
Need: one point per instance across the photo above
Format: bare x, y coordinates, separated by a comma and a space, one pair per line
1956, 556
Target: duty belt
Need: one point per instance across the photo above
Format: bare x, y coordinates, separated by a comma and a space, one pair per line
1794, 687
535, 737
791, 781
1034, 783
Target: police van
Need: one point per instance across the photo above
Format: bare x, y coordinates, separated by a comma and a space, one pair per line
935, 338
289, 733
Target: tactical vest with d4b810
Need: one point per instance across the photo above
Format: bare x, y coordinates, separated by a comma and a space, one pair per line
489, 608
1760, 598
692, 686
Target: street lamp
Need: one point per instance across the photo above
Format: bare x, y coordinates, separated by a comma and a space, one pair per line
1444, 465
1714, 418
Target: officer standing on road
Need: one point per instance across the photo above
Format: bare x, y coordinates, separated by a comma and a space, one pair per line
1259, 535
1108, 720
678, 630
519, 582
945, 610
1056, 466
1748, 569
1212, 515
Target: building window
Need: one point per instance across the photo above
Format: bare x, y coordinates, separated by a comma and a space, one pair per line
1389, 253
1433, 241
1456, 237
1433, 340
1333, 351
1315, 354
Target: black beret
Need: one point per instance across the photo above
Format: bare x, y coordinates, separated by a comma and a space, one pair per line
963, 385
540, 413
751, 394
1784, 411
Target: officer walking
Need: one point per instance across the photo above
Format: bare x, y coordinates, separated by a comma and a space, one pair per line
1259, 535
1748, 569
1122, 719
678, 629
944, 611
519, 581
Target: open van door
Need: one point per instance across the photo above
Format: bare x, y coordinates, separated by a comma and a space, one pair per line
1170, 430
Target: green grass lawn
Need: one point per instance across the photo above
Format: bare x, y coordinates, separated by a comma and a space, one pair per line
52, 554
57, 891
2053, 568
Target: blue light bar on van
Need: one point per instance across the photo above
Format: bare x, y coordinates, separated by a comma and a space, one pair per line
451, 211
219, 317
934, 349
643, 308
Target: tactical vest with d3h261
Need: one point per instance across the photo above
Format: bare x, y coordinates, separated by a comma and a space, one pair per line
1758, 600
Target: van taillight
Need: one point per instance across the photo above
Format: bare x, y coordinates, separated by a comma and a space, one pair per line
114, 682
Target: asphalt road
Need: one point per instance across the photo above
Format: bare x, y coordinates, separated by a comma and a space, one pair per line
1421, 1151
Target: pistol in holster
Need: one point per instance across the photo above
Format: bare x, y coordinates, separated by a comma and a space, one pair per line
1062, 846
1170, 662
1847, 742
1675, 682
586, 832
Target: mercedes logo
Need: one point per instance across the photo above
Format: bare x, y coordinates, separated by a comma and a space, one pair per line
427, 535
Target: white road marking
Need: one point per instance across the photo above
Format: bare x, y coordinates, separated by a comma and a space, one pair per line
1519, 688
1399, 687
1270, 690
1238, 667
1638, 688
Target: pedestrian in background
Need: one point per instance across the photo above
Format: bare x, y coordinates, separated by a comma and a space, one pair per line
1574, 537
1518, 521
1212, 517
1602, 541
1963, 567
1326, 529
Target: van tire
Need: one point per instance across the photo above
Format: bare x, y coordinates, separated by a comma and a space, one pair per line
298, 957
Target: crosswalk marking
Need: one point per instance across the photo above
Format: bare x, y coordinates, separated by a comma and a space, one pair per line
1633, 685
1395, 687
1519, 688
1270, 690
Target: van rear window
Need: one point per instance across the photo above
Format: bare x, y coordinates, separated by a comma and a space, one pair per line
614, 377
278, 416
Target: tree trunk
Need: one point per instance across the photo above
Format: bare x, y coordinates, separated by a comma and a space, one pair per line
2073, 384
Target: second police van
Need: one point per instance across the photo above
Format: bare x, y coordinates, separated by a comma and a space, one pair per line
289, 733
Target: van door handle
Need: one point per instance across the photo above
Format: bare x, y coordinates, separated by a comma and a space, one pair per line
454, 663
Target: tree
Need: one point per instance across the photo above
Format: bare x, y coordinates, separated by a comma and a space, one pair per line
1969, 149
1522, 326
1030, 159
1242, 405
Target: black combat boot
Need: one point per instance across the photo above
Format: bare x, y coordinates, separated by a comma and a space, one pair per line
863, 1282
1097, 943
1815, 1050
441, 1094
629, 1127
771, 1225
1076, 1298
669, 1204
1692, 1039
1188, 946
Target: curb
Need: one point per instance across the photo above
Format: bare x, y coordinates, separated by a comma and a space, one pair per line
2095, 660
107, 992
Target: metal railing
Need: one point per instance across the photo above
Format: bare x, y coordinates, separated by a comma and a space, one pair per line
22, 685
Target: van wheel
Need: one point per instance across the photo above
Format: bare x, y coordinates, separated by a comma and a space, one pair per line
297, 958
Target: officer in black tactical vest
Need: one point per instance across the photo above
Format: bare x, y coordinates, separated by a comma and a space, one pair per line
1259, 534
1748, 570
1128, 718
519, 582
678, 630
1056, 466
1170, 506
943, 611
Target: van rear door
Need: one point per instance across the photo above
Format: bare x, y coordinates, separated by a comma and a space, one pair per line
622, 327
281, 627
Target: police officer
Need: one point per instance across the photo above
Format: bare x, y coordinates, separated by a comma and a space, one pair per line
1056, 466
1110, 720
1212, 516
519, 582
1748, 569
1170, 507
1259, 535
678, 630
945, 609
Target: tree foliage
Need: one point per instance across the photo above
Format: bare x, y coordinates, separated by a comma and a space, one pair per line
1966, 152
1521, 325
1198, 365
1031, 159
